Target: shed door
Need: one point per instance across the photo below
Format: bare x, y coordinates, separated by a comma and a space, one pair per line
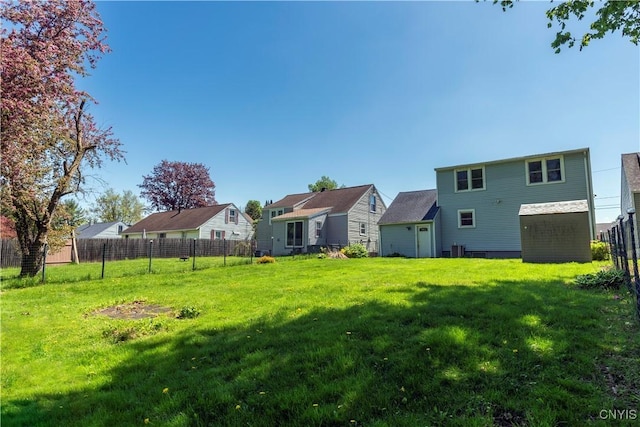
424, 240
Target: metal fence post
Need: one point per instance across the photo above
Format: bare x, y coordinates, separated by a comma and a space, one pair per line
104, 252
625, 260
193, 265
150, 253
634, 255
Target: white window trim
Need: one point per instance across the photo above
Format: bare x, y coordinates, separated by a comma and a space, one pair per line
318, 229
543, 161
361, 226
469, 169
473, 216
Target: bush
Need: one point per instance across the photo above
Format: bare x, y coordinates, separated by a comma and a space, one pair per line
599, 250
188, 312
266, 260
604, 279
356, 250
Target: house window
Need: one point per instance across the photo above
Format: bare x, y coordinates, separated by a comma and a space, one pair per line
318, 228
294, 233
363, 228
469, 179
372, 203
217, 234
162, 235
547, 170
466, 218
119, 229
232, 215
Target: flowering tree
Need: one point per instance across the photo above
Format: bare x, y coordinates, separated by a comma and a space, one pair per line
178, 185
48, 137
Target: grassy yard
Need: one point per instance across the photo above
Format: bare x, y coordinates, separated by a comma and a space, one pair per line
310, 342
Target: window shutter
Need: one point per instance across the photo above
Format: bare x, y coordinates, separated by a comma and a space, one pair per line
237, 215
223, 233
213, 235
226, 216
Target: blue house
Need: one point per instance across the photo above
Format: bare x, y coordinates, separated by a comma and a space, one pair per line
480, 203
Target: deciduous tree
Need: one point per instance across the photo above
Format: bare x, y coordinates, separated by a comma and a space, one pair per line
178, 185
125, 207
253, 209
324, 183
610, 16
48, 137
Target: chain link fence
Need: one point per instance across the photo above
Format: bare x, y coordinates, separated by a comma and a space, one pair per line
624, 246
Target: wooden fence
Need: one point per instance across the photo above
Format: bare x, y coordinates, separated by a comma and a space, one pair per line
95, 250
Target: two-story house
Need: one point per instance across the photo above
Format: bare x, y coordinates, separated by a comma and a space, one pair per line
482, 204
300, 223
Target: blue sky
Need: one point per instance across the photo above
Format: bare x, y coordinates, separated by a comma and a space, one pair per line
270, 96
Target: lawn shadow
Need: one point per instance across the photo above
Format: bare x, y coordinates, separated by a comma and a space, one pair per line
508, 353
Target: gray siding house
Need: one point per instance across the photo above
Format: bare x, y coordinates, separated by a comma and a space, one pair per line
301, 223
410, 226
101, 230
212, 222
480, 203
630, 190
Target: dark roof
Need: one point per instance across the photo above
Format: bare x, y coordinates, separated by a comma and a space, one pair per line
91, 230
411, 206
290, 201
339, 200
185, 219
631, 169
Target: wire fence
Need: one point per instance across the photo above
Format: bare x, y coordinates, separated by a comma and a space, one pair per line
624, 246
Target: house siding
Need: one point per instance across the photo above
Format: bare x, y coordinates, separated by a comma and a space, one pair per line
337, 230
497, 227
395, 238
361, 213
219, 222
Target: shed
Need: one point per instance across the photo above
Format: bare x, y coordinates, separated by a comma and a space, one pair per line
555, 232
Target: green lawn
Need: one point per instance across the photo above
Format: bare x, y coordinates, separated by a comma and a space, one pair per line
310, 342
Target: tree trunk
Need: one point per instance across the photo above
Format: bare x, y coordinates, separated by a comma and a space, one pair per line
32, 259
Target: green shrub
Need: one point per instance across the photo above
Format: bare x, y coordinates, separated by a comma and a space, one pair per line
266, 260
355, 250
188, 312
599, 250
604, 279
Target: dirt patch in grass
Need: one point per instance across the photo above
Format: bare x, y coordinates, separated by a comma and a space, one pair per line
133, 310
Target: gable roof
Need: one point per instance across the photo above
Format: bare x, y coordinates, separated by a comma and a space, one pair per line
631, 169
290, 200
185, 219
301, 213
340, 200
411, 206
570, 206
515, 159
89, 230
